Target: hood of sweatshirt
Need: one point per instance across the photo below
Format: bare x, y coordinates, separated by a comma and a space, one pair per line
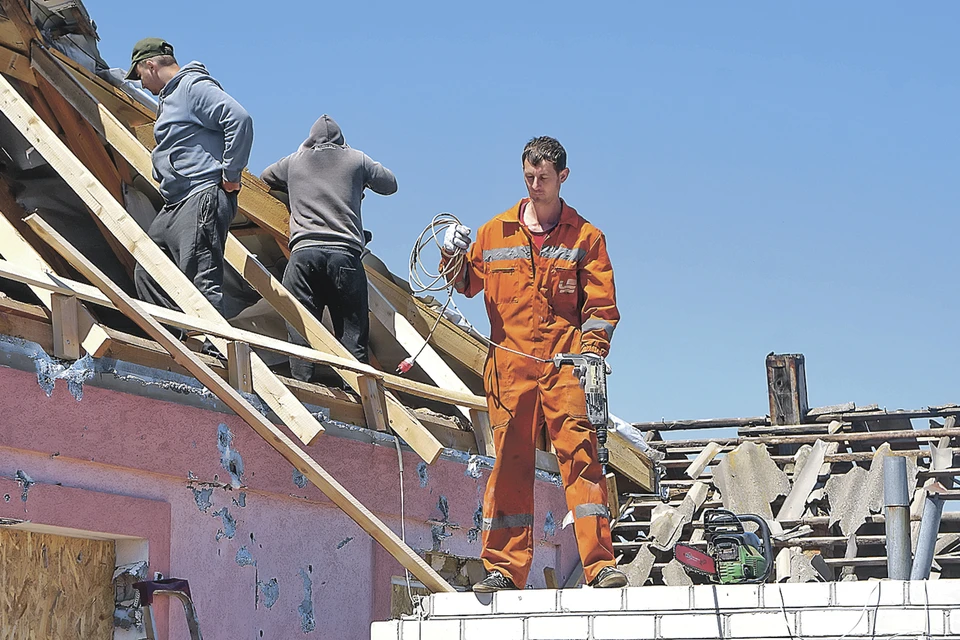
324, 131
190, 72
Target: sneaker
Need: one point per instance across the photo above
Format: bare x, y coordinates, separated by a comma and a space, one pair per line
609, 578
495, 581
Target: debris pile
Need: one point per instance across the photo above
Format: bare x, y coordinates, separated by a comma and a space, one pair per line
818, 484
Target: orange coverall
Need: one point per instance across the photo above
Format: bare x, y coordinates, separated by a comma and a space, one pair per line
560, 298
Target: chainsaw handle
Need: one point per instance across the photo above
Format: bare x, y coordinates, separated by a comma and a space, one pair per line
767, 548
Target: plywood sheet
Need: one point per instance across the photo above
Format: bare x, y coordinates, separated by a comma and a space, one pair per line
55, 587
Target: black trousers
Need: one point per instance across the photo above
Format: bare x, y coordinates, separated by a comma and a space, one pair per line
193, 233
329, 278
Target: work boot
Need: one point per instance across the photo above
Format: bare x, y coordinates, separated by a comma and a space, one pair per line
609, 578
495, 581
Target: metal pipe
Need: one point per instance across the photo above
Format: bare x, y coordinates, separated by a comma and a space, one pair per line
897, 501
927, 539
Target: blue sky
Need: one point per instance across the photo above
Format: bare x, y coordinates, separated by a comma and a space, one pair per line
770, 176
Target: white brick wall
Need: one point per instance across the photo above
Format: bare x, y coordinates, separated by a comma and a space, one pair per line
940, 592
745, 596
587, 599
460, 604
624, 627
816, 611
760, 624
490, 629
658, 598
558, 628
827, 623
526, 601
856, 594
810, 594
690, 626
889, 622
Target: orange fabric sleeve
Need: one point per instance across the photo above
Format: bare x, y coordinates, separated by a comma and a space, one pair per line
599, 314
469, 280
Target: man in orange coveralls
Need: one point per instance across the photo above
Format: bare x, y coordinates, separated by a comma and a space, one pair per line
548, 288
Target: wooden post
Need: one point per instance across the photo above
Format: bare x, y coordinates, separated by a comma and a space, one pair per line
238, 366
65, 314
482, 432
787, 388
613, 497
230, 397
373, 400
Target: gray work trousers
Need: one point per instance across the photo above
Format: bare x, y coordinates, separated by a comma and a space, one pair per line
192, 233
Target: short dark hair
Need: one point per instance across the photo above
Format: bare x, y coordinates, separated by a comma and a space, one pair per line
545, 148
163, 60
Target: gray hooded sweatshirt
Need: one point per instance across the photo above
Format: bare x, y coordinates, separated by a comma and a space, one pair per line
203, 135
325, 179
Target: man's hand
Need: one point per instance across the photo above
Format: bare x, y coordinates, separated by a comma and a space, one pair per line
456, 240
230, 187
581, 371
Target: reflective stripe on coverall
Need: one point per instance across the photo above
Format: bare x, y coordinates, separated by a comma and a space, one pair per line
558, 299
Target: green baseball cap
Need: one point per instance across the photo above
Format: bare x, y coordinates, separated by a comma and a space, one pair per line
147, 48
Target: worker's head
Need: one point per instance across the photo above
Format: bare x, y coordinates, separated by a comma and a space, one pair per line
544, 168
153, 64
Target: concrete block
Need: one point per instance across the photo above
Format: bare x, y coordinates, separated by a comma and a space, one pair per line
690, 626
499, 628
558, 628
938, 592
858, 594
658, 598
819, 623
953, 621
460, 604
890, 622
796, 594
435, 630
761, 625
734, 596
410, 630
530, 601
587, 599
625, 627
389, 630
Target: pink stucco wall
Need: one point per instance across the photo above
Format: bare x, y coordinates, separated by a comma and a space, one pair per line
130, 465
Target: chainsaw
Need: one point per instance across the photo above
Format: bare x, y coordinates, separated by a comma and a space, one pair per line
734, 555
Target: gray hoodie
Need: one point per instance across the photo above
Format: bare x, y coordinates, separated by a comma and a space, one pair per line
203, 135
325, 179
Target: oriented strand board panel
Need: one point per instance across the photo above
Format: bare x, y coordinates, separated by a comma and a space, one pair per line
55, 587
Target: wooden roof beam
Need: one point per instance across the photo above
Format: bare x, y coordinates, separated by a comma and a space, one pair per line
232, 398
148, 254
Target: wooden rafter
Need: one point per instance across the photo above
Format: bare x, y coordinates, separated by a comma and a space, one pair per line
448, 337
67, 287
434, 366
229, 396
154, 261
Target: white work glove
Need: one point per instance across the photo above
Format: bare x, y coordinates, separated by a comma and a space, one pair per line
581, 372
456, 240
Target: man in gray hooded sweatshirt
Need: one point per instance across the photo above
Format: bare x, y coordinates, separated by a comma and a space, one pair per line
203, 140
325, 180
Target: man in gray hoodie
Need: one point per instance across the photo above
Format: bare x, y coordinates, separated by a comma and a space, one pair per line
203, 140
325, 180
